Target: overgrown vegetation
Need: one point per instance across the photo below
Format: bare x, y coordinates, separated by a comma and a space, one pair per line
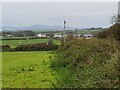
111, 33
87, 63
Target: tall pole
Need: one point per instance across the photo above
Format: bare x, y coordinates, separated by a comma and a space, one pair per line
64, 30
119, 12
119, 8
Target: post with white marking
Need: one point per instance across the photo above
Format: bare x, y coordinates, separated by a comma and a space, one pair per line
64, 30
119, 12
119, 8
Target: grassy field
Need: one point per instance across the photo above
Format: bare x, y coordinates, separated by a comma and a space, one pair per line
14, 43
27, 70
88, 31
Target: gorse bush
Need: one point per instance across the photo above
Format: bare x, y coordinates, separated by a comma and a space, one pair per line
87, 63
113, 32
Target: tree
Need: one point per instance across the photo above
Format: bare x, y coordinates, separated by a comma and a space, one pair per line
115, 19
29, 33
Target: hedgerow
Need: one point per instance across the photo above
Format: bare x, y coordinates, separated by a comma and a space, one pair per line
87, 63
111, 33
36, 47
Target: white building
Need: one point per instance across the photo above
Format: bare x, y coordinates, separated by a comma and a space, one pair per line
9, 35
87, 35
57, 35
41, 35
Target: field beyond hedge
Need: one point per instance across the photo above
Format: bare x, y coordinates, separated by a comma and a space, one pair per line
14, 43
27, 70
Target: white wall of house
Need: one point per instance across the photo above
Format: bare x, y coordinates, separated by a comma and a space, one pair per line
87, 35
41, 35
9, 35
57, 35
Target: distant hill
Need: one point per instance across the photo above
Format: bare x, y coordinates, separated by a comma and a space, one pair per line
35, 27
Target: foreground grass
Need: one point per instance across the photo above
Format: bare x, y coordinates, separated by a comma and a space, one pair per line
27, 70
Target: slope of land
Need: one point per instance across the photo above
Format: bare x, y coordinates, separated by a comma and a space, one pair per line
87, 63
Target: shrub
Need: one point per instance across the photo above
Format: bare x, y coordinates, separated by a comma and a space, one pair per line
113, 33
86, 63
36, 47
5, 48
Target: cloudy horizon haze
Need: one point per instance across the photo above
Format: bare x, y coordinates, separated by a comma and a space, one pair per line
77, 14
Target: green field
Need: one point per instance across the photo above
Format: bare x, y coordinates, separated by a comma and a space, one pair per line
88, 31
14, 43
27, 70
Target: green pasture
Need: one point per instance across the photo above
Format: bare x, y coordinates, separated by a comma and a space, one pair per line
27, 70
14, 43
15, 37
88, 31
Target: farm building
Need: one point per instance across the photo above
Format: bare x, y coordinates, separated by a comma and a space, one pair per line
41, 35
56, 35
87, 35
9, 35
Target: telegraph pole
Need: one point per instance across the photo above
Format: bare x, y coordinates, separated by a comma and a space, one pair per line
64, 30
119, 8
119, 12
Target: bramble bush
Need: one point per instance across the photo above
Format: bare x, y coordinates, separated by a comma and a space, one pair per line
111, 33
87, 63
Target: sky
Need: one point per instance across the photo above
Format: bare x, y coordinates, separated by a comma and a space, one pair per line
59, 0
76, 14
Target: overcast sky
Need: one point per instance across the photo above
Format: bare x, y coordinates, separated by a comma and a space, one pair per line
77, 14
